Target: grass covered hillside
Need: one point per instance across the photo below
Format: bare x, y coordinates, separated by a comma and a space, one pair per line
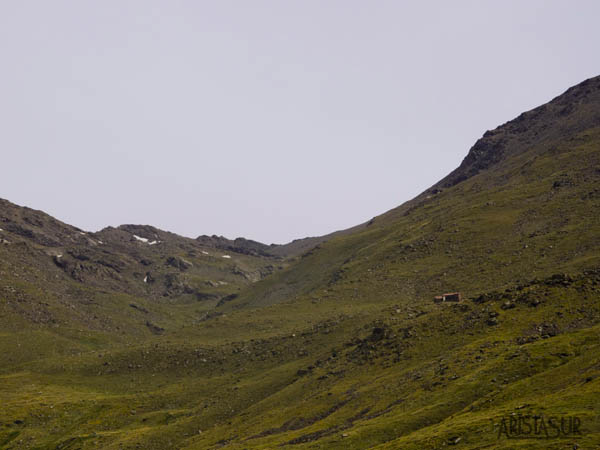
66, 285
341, 347
523, 203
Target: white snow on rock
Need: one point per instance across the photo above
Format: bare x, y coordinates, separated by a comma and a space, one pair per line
1, 229
82, 233
203, 252
146, 279
226, 256
145, 240
59, 256
100, 242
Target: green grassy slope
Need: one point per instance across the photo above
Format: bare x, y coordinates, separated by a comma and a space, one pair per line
527, 205
78, 289
345, 348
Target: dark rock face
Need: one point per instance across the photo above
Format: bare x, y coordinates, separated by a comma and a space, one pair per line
378, 334
35, 226
139, 308
485, 153
135, 259
176, 285
32, 234
566, 115
226, 299
179, 263
201, 296
145, 231
155, 329
85, 271
239, 245
492, 321
60, 262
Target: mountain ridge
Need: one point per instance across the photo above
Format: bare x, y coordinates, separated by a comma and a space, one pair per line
136, 343
570, 109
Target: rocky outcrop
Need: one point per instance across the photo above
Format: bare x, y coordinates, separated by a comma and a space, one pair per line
179, 263
566, 115
238, 245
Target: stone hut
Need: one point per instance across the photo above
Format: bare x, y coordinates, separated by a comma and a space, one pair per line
454, 297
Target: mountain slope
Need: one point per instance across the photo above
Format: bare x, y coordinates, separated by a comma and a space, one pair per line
118, 283
132, 258
518, 203
344, 348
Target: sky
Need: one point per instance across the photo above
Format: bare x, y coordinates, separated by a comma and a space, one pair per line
272, 120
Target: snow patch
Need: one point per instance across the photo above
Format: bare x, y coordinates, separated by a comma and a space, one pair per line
146, 279
82, 233
203, 252
59, 255
145, 240
226, 256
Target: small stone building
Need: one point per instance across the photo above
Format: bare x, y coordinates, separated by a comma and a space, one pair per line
449, 297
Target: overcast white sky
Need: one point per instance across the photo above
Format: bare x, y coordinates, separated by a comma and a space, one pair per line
271, 120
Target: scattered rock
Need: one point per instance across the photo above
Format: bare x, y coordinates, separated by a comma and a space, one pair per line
454, 440
179, 263
378, 334
492, 321
226, 299
508, 305
60, 261
139, 308
154, 328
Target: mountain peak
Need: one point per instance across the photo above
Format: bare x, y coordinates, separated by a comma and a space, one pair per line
577, 109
